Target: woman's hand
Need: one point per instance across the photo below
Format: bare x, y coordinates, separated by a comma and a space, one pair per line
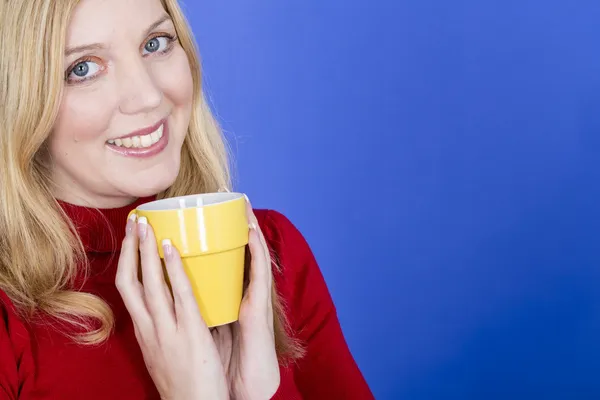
247, 347
179, 351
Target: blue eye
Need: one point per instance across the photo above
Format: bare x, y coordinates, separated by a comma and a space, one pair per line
158, 44
83, 70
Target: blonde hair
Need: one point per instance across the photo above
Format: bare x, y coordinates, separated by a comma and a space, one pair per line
40, 252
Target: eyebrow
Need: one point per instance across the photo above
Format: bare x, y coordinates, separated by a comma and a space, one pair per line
99, 46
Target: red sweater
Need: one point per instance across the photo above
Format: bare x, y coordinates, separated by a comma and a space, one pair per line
38, 362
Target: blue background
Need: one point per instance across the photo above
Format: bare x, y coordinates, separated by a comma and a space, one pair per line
441, 157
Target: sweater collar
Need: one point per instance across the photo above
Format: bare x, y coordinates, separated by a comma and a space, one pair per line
101, 230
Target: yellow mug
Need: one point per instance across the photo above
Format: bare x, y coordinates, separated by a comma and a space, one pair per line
210, 231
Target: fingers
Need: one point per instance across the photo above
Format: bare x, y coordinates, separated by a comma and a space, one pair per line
127, 281
160, 304
186, 308
253, 222
259, 279
223, 339
260, 265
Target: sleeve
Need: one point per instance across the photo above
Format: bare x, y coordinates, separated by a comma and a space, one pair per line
328, 369
15, 353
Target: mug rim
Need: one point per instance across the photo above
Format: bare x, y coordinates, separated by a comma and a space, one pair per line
154, 206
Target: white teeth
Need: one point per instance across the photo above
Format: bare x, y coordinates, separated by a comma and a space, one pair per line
139, 141
146, 140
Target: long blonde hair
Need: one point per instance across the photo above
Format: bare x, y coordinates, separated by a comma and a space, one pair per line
40, 252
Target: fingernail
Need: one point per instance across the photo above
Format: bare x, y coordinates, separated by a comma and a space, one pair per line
130, 224
252, 225
142, 227
167, 248
247, 199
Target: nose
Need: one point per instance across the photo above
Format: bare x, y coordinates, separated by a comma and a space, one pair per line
139, 92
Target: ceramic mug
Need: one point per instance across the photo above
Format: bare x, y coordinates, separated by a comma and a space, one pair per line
210, 231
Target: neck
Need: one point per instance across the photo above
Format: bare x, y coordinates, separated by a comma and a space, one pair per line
105, 202
101, 229
94, 200
67, 190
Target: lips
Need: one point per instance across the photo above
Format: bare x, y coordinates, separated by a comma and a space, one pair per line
143, 143
139, 141
142, 138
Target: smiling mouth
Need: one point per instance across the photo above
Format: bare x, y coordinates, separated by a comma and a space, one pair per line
139, 141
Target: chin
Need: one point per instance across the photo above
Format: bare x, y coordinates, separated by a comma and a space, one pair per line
151, 185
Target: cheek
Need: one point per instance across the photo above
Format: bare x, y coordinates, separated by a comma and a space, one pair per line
80, 119
175, 79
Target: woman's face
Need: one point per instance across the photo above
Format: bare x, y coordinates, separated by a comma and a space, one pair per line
126, 105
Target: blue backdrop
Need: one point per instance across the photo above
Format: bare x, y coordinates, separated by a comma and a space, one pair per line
441, 157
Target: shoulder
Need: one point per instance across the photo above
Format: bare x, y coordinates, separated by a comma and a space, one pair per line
8, 311
15, 350
274, 224
296, 273
12, 325
283, 238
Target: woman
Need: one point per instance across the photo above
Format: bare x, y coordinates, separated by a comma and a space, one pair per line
102, 110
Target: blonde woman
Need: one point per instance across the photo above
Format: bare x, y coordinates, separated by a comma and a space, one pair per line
101, 109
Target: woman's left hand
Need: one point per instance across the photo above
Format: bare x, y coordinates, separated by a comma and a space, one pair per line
247, 347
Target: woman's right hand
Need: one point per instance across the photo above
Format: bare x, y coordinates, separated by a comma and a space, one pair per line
178, 348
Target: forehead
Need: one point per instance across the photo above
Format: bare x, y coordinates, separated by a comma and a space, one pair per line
103, 20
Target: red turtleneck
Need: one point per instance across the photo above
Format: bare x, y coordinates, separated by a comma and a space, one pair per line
38, 362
